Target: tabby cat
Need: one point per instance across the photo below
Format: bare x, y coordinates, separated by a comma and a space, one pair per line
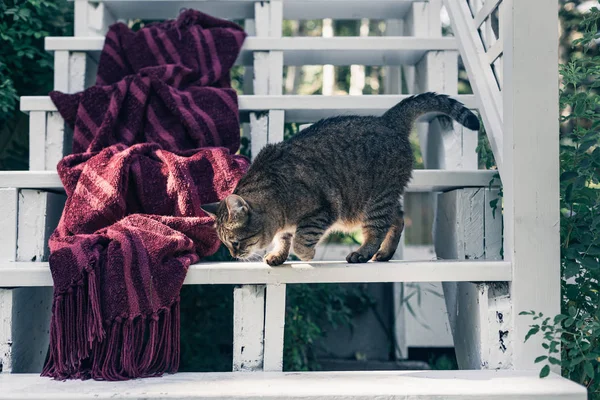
339, 174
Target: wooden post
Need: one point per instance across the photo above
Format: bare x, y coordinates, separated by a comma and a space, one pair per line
531, 165
37, 140
274, 325
92, 20
248, 327
393, 85
25, 312
265, 128
479, 313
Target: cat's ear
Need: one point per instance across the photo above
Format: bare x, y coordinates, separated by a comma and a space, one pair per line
211, 209
238, 208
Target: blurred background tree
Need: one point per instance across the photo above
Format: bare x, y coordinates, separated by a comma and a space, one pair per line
25, 68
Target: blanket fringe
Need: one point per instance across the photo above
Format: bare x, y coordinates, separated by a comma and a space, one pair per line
82, 347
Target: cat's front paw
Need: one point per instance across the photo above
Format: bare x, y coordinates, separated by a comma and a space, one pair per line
383, 256
275, 259
356, 257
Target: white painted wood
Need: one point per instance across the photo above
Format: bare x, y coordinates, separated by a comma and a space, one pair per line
307, 50
357, 72
262, 18
9, 203
6, 338
38, 216
77, 71
423, 180
416, 21
392, 83
242, 9
276, 126
261, 73
29, 328
274, 327
488, 7
328, 69
257, 318
480, 74
259, 128
15, 274
434, 25
276, 72
37, 141
477, 312
100, 19
359, 385
248, 86
58, 140
444, 145
530, 178
275, 18
495, 51
61, 70
298, 108
248, 326
94, 19
416, 24
81, 18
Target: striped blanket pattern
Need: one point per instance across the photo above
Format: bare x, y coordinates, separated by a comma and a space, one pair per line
153, 140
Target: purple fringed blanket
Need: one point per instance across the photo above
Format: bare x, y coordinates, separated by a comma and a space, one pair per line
153, 140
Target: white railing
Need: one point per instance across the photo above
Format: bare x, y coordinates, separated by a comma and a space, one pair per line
475, 24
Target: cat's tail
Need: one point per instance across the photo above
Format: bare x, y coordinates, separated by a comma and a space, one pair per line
408, 110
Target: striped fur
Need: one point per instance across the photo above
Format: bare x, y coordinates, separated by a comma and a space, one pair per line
341, 173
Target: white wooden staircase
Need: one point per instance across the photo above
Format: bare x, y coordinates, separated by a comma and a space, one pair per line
514, 77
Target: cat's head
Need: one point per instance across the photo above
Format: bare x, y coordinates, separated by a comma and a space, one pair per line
242, 228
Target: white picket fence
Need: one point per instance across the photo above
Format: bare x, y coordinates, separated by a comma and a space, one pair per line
514, 79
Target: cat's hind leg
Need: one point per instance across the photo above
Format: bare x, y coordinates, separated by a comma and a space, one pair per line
280, 252
309, 232
392, 238
379, 215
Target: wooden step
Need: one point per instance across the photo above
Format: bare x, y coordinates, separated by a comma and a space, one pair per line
387, 50
414, 385
22, 274
244, 9
424, 180
298, 108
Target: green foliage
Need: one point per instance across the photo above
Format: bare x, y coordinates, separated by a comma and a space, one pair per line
25, 68
311, 308
577, 329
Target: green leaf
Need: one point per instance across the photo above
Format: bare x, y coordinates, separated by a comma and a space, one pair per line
545, 371
532, 332
572, 311
589, 369
540, 359
569, 193
559, 318
554, 361
568, 175
577, 360
579, 107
